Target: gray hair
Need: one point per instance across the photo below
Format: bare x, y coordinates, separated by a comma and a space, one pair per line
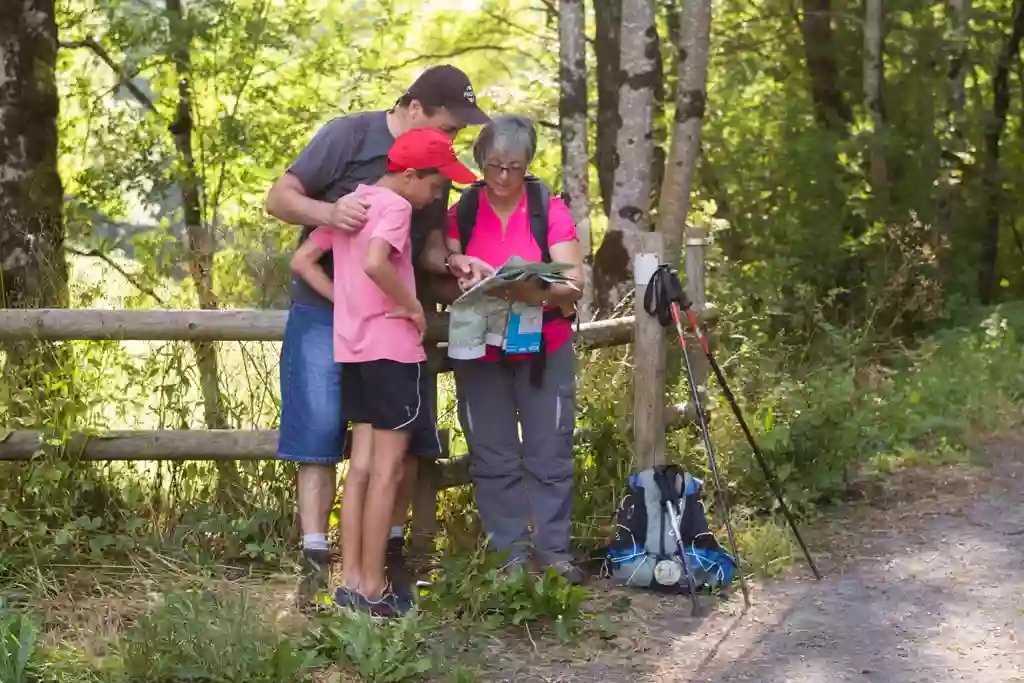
508, 134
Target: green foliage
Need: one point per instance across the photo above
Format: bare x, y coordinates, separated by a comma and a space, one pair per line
476, 592
849, 327
210, 638
18, 636
766, 547
387, 652
825, 426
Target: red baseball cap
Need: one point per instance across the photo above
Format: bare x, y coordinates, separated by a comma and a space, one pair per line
424, 148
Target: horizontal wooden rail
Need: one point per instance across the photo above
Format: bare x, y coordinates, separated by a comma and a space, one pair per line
57, 324
198, 444
62, 324
156, 444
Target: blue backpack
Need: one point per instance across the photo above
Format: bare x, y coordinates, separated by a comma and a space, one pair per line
645, 551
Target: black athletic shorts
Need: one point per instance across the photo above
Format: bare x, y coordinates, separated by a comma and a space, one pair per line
387, 395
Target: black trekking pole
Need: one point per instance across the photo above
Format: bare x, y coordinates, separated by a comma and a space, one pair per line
769, 475
663, 299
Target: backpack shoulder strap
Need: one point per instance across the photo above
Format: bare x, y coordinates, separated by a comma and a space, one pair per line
538, 196
465, 214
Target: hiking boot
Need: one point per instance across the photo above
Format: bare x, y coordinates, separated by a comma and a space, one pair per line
388, 606
316, 574
397, 571
570, 572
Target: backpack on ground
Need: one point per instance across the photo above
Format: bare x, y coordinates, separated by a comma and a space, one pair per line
645, 551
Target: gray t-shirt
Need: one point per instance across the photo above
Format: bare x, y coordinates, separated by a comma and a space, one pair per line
346, 152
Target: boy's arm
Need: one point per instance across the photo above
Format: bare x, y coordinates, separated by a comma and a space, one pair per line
377, 266
305, 262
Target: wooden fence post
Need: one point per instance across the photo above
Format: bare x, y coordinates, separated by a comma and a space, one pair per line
696, 288
649, 352
423, 528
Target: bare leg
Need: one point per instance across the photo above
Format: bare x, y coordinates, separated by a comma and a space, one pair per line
316, 496
388, 456
406, 487
353, 501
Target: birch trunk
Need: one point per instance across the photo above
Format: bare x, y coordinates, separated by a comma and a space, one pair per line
573, 121
630, 205
691, 97
874, 104
607, 43
991, 176
33, 272
200, 240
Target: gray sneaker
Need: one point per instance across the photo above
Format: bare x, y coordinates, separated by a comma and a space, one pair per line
569, 571
316, 576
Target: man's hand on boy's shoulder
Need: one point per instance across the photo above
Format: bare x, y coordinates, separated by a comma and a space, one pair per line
348, 213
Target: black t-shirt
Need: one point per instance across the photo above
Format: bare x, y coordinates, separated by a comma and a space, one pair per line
347, 152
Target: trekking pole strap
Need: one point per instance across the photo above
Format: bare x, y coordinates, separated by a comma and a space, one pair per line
665, 292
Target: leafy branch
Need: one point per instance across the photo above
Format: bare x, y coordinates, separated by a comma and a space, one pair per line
124, 78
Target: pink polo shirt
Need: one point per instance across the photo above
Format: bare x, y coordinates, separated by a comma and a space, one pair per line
489, 245
362, 330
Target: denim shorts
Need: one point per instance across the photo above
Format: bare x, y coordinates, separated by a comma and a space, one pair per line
313, 420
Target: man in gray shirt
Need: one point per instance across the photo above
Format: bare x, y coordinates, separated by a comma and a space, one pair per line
346, 152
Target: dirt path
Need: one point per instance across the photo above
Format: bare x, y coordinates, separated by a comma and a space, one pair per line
925, 585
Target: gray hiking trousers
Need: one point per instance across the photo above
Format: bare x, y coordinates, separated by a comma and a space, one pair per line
528, 480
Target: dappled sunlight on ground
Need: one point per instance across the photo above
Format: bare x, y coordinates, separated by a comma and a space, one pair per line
921, 586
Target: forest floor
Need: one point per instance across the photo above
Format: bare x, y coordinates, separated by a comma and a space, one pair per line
923, 583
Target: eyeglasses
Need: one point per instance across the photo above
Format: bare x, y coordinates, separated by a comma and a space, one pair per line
497, 169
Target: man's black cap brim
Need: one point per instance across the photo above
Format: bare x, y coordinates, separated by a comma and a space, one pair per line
470, 116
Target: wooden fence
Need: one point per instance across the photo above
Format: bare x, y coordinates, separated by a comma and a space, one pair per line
651, 416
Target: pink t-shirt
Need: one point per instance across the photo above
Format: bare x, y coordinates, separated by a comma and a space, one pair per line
362, 330
489, 245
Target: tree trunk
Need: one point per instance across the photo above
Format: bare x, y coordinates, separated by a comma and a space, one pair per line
988, 274
572, 109
33, 272
690, 104
951, 167
659, 124
607, 44
874, 104
957, 74
630, 206
200, 240
830, 107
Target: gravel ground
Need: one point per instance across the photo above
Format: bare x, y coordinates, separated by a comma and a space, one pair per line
924, 585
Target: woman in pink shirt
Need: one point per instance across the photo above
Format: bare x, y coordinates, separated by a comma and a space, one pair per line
528, 481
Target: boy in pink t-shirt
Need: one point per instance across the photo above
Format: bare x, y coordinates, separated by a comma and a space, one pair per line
378, 339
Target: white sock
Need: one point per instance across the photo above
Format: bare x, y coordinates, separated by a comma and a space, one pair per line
314, 542
397, 532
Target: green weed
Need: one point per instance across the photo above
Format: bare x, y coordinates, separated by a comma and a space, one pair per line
18, 636
210, 637
382, 652
766, 547
474, 592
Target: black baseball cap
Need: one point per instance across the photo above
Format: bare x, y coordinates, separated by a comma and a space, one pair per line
448, 87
